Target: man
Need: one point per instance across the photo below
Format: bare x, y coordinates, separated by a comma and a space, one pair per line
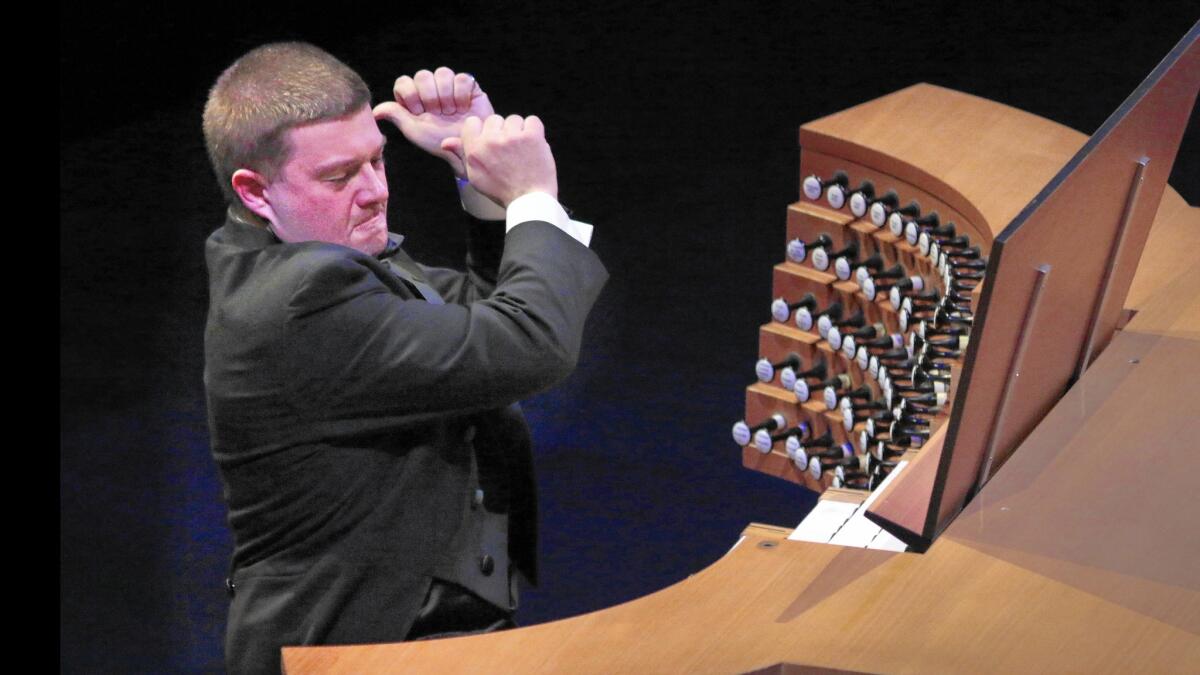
377, 472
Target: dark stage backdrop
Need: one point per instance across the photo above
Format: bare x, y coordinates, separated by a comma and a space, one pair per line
674, 127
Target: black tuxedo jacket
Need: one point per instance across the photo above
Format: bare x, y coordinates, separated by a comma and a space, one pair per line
345, 412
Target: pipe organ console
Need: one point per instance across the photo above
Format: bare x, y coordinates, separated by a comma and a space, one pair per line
871, 316
882, 289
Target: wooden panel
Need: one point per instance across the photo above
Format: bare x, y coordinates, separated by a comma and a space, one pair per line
934, 137
1171, 250
777, 340
806, 221
1175, 312
766, 531
1114, 462
1071, 230
791, 281
845, 495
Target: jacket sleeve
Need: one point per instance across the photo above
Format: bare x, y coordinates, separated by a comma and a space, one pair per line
356, 349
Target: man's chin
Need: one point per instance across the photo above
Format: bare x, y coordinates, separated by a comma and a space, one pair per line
371, 236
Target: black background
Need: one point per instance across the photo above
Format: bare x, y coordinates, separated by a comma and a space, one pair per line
674, 129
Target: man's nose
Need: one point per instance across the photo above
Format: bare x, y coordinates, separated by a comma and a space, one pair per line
374, 186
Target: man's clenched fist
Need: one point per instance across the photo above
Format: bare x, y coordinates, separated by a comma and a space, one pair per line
506, 157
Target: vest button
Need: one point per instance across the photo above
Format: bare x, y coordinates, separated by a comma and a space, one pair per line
486, 565
477, 498
469, 434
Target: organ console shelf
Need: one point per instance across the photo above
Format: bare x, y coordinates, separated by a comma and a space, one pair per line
1071, 559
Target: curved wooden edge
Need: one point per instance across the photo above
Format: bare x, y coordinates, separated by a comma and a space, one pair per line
861, 154
718, 583
918, 134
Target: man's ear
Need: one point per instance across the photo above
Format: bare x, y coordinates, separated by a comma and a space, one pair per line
251, 188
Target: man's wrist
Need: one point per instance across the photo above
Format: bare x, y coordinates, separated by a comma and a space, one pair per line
476, 203
529, 206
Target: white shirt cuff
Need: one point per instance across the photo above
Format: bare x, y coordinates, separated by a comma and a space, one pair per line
474, 203
541, 206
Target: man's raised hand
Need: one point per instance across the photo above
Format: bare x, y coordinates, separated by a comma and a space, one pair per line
431, 107
506, 157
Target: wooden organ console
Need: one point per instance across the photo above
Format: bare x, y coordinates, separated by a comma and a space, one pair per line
878, 284
1077, 548
905, 382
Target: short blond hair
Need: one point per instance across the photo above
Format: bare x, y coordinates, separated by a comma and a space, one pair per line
263, 94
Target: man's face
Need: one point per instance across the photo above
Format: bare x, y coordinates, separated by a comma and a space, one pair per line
332, 187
